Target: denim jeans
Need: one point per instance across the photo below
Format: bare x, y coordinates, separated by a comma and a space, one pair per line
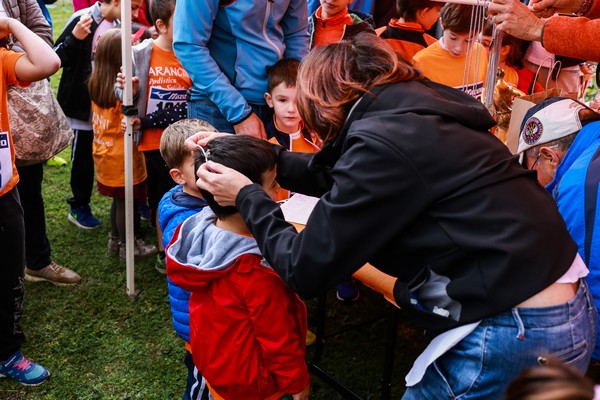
482, 365
209, 112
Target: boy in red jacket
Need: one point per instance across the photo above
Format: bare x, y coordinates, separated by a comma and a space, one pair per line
247, 328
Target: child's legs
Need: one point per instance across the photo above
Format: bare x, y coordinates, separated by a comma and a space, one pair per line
196, 388
159, 182
12, 248
82, 168
117, 219
482, 365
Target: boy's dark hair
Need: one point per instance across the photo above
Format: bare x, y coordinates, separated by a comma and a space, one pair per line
172, 147
407, 9
456, 17
163, 10
284, 71
246, 154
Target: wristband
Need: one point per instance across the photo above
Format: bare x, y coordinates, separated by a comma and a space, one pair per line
584, 8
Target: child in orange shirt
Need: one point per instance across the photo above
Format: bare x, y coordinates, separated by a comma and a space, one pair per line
286, 128
446, 61
108, 146
333, 22
406, 34
37, 62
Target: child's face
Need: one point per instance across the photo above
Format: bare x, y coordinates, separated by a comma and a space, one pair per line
330, 8
270, 185
485, 41
427, 17
115, 12
188, 177
456, 43
282, 100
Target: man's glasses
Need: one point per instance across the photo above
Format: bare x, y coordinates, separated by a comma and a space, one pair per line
537, 159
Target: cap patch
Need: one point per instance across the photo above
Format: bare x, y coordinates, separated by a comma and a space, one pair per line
532, 131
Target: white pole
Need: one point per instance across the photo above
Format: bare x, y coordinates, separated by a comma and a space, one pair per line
128, 105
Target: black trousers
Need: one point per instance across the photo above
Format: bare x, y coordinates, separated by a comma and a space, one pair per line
12, 248
82, 168
37, 246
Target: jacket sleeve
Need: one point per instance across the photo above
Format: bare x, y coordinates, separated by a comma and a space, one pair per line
368, 206
165, 117
572, 37
294, 173
295, 30
67, 46
193, 24
279, 325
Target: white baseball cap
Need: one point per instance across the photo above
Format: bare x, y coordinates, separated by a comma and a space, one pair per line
552, 119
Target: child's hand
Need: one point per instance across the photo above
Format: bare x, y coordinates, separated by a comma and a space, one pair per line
83, 27
135, 82
135, 124
303, 395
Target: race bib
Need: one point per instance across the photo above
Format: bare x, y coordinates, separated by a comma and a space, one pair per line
6, 168
160, 99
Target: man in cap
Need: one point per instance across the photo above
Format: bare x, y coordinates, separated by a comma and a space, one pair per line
560, 139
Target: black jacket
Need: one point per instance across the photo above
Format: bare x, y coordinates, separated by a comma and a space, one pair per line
76, 59
416, 185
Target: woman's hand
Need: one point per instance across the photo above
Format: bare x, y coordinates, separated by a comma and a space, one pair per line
201, 138
224, 183
547, 8
514, 18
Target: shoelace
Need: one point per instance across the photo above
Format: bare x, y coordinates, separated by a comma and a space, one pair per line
55, 268
23, 364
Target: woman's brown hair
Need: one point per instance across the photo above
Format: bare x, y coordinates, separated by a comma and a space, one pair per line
333, 77
107, 63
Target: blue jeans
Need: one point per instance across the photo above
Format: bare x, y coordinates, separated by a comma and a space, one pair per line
209, 112
482, 365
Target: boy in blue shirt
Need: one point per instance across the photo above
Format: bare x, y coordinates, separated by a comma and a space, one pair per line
179, 203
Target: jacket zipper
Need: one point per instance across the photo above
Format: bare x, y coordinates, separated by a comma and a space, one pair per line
265, 35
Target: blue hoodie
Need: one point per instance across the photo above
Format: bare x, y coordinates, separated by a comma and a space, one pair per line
225, 46
174, 208
576, 191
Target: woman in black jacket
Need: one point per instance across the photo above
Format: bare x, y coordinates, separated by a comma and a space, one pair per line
411, 181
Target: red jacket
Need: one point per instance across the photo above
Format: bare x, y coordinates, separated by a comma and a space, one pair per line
247, 328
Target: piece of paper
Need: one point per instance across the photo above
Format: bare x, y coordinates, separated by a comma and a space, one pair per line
298, 208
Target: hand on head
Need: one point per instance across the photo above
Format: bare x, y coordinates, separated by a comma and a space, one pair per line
201, 139
224, 183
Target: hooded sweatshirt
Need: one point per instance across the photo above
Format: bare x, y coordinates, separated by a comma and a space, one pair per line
247, 328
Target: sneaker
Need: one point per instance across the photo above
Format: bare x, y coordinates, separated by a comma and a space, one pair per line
160, 264
311, 338
144, 211
22, 370
52, 273
83, 217
347, 291
56, 161
114, 245
141, 249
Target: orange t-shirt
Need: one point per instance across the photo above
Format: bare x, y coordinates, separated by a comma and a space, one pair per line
8, 171
299, 144
330, 30
168, 83
109, 148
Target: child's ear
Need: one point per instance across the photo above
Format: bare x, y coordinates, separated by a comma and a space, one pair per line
177, 176
161, 27
269, 99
